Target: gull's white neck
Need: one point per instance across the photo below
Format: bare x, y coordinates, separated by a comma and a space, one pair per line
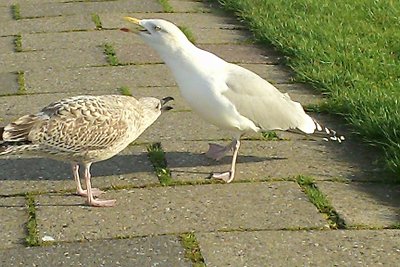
186, 59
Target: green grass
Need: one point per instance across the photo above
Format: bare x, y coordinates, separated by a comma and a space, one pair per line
192, 248
125, 90
156, 156
21, 83
16, 11
111, 55
347, 49
321, 202
188, 33
271, 136
97, 22
33, 238
166, 6
18, 43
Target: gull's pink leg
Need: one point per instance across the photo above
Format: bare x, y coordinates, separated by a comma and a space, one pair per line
90, 199
79, 190
217, 152
228, 176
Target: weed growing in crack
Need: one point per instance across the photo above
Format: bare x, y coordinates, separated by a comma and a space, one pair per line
97, 22
320, 201
18, 43
167, 8
156, 155
33, 238
111, 55
192, 249
16, 11
124, 90
188, 33
21, 83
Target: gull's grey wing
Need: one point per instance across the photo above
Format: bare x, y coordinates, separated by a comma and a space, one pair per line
259, 101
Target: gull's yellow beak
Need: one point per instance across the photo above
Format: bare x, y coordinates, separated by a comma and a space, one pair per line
133, 20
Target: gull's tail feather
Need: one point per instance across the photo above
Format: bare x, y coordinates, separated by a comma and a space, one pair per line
326, 133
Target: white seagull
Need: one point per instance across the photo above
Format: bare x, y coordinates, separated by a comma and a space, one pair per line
82, 129
224, 94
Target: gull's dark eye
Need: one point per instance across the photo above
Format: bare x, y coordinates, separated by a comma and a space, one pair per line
157, 28
158, 106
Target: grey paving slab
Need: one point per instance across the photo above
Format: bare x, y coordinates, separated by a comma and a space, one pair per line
12, 224
189, 6
221, 36
144, 251
26, 174
243, 53
262, 160
301, 248
48, 24
7, 44
181, 126
90, 79
142, 53
137, 53
8, 83
78, 40
72, 8
161, 210
5, 13
364, 204
274, 74
17, 105
49, 60
300, 93
191, 20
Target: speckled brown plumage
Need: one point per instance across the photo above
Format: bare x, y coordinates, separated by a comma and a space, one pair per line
82, 129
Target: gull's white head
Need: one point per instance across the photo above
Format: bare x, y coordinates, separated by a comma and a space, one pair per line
159, 34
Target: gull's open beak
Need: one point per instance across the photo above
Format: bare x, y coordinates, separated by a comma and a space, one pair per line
164, 101
134, 21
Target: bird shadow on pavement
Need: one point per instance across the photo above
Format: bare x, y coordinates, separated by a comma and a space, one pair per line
48, 169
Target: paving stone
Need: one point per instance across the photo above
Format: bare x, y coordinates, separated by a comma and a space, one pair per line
78, 40
301, 248
364, 204
17, 105
13, 219
105, 78
188, 6
260, 160
161, 210
191, 20
300, 93
136, 54
221, 36
5, 14
72, 8
243, 53
48, 24
190, 127
143, 251
88, 80
23, 174
142, 53
7, 44
48, 60
9, 84
274, 74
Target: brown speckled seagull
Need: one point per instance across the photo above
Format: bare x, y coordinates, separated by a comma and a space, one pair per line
82, 130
